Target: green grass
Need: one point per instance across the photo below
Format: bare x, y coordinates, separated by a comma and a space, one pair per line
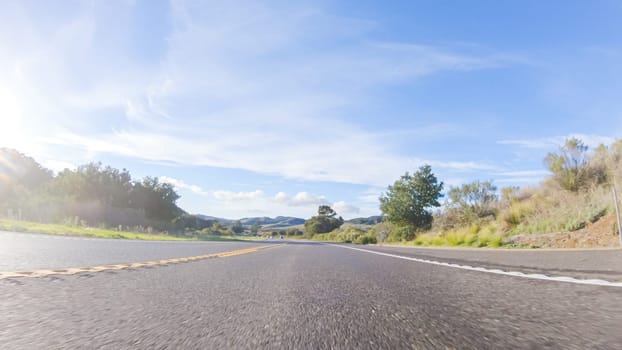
59, 229
472, 237
68, 230
346, 234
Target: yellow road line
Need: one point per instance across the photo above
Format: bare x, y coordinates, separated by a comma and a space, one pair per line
75, 270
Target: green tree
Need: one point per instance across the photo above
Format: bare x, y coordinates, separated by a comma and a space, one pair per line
19, 169
92, 182
217, 229
408, 200
23, 184
294, 232
255, 228
325, 221
156, 198
191, 222
326, 210
237, 227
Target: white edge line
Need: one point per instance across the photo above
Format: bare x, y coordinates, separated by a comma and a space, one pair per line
592, 282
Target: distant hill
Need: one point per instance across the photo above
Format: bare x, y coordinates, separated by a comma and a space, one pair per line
213, 218
284, 221
279, 221
372, 220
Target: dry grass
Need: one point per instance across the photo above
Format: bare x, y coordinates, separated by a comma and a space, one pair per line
556, 210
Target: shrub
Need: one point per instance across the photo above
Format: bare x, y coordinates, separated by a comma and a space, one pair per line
325, 221
516, 213
366, 239
294, 232
472, 201
574, 169
401, 234
554, 210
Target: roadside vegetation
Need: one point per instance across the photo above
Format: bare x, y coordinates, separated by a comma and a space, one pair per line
325, 221
98, 201
347, 234
573, 205
565, 206
570, 201
64, 229
95, 232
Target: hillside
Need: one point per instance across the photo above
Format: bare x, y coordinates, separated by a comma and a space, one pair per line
372, 220
226, 222
264, 221
285, 221
279, 221
572, 208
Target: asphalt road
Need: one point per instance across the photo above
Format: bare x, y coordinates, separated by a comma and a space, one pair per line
23, 251
305, 295
579, 263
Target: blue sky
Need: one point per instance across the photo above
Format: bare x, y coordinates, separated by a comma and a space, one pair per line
272, 108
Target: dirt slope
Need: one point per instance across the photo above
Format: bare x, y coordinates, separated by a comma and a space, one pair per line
602, 233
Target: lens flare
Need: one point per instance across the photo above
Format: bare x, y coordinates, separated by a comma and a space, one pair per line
10, 118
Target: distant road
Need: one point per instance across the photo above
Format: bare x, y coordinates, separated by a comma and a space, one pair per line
306, 295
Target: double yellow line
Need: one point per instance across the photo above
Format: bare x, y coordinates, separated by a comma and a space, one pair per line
75, 270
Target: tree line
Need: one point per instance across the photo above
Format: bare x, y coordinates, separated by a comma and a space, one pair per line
93, 192
102, 195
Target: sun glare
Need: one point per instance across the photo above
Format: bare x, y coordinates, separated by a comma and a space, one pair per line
10, 118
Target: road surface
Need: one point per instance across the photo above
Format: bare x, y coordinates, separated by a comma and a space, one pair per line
24, 251
302, 295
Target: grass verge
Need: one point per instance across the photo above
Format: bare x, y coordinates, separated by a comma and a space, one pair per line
471, 237
67, 230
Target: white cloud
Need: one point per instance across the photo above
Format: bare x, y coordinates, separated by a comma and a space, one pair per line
552, 142
460, 166
343, 208
281, 197
57, 165
351, 150
527, 173
237, 196
371, 195
219, 97
523, 177
519, 180
305, 198
179, 184
300, 199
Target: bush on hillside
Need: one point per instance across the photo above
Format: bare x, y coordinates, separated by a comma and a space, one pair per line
575, 169
325, 221
471, 202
